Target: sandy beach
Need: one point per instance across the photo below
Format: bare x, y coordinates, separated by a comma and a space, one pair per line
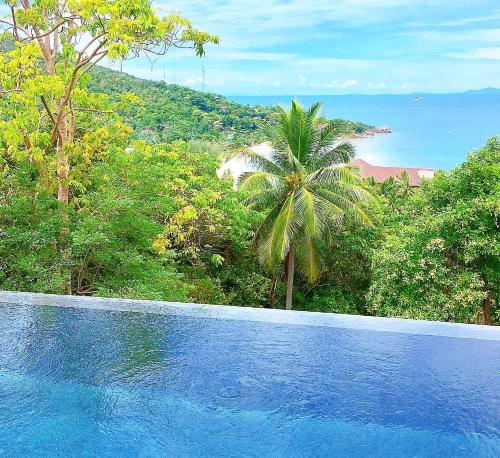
237, 165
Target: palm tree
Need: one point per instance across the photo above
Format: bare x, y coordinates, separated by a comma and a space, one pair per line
305, 190
403, 185
396, 191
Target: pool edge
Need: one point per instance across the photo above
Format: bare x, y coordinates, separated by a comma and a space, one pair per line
396, 325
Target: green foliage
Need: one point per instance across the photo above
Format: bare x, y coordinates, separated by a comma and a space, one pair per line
331, 300
306, 194
440, 258
134, 203
82, 211
29, 228
345, 127
47, 115
169, 112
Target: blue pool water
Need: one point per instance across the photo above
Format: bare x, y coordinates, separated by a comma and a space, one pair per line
84, 382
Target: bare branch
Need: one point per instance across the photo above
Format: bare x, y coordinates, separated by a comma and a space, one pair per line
48, 110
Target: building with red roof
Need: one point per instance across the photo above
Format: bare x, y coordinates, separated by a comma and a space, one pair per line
380, 173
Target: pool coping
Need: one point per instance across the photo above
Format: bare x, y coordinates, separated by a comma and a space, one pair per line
397, 325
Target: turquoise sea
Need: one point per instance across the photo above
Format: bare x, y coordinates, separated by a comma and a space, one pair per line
437, 132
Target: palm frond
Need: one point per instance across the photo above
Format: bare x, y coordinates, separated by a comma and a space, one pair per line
294, 163
264, 199
356, 191
308, 259
275, 247
314, 110
331, 213
259, 181
306, 206
333, 174
282, 159
283, 128
265, 227
298, 130
325, 136
307, 131
350, 207
342, 153
296, 120
257, 161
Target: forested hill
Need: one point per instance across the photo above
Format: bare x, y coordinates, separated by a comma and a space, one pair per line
172, 112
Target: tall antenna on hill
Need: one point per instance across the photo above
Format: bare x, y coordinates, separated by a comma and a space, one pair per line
203, 79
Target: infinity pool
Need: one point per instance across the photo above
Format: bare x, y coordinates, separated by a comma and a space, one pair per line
195, 381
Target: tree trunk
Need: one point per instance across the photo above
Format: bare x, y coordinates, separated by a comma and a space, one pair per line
272, 292
290, 272
63, 198
62, 175
484, 316
64, 129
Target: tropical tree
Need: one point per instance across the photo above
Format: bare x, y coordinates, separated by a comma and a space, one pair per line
439, 259
305, 189
396, 191
55, 43
48, 117
403, 185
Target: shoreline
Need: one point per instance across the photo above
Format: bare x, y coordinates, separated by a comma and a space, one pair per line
370, 132
236, 166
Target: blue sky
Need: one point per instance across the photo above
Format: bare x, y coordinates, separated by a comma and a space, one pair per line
337, 47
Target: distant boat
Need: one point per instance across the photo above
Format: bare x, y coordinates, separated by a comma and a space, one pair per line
417, 99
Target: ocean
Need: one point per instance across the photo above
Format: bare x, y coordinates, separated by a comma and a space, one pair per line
436, 132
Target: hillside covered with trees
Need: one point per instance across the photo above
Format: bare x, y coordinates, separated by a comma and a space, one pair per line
168, 112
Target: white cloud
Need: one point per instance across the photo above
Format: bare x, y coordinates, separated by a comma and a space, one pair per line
348, 83
488, 35
492, 53
250, 23
327, 63
221, 54
336, 46
338, 84
379, 85
493, 16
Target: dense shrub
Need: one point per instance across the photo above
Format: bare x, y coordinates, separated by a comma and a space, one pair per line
440, 259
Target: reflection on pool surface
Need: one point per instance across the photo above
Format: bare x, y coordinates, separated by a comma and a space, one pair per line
76, 381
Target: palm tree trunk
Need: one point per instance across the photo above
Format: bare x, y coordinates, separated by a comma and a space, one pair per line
290, 271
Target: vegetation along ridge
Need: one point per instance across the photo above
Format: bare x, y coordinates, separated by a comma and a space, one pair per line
168, 112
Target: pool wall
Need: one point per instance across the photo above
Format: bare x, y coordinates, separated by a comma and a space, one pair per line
226, 312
